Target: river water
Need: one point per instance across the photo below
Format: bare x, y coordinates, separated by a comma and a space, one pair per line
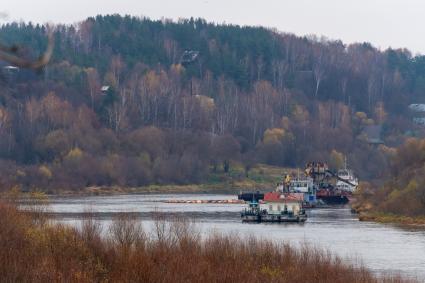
383, 248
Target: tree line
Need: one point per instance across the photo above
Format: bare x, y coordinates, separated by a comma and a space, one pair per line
117, 106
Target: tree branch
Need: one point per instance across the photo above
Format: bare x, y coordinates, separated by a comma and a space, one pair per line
6, 54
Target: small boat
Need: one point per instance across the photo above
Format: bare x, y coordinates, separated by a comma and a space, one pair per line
275, 207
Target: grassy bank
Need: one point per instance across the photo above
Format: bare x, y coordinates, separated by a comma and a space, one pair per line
371, 208
259, 177
34, 250
391, 218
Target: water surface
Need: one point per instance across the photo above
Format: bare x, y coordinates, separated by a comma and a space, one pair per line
382, 248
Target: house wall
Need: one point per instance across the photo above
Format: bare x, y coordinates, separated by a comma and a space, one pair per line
278, 207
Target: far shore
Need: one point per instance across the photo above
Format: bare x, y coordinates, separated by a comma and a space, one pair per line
224, 188
392, 218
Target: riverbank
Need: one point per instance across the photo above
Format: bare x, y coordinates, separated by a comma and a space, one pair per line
260, 177
391, 218
367, 212
218, 188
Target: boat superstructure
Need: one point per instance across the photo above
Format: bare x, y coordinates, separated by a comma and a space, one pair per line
275, 207
317, 186
346, 181
300, 186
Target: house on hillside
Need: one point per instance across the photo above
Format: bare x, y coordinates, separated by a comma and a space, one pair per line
189, 56
104, 89
10, 69
417, 111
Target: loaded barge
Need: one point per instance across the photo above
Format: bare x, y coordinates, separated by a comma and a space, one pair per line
275, 207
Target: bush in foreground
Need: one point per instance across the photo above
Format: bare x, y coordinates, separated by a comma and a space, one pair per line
36, 251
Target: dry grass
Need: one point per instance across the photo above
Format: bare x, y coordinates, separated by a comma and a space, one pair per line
391, 218
38, 251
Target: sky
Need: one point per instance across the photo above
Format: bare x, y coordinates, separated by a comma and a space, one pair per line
384, 23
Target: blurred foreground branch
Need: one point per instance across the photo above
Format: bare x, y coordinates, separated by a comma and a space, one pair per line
9, 54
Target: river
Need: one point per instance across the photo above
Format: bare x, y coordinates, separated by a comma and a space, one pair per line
383, 248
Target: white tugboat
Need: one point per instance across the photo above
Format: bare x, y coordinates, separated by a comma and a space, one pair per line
346, 181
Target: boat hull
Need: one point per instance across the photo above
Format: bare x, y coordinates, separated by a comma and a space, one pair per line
267, 218
251, 196
333, 200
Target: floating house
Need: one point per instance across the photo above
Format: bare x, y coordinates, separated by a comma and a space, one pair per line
276, 207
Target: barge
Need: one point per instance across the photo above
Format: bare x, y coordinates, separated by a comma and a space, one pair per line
254, 196
275, 208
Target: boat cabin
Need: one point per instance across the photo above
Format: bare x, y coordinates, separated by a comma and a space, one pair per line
276, 203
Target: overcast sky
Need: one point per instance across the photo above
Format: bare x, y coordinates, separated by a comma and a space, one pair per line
395, 23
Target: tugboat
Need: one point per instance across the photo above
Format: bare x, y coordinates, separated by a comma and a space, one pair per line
330, 191
345, 180
301, 185
275, 207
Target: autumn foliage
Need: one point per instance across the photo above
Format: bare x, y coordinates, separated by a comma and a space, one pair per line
116, 105
403, 193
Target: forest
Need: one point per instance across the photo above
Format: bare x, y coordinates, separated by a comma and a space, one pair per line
132, 101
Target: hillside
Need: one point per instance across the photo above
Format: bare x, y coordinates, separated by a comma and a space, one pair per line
121, 103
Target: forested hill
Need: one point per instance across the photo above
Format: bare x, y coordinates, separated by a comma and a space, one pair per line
121, 103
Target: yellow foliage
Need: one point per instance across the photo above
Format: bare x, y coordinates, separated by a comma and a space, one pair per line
361, 115
336, 159
274, 135
411, 187
45, 171
271, 271
75, 153
363, 119
177, 69
394, 195
152, 81
206, 103
300, 114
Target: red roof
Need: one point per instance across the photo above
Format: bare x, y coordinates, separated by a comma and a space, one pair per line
272, 196
279, 197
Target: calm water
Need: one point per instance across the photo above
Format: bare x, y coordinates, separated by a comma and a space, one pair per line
382, 248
